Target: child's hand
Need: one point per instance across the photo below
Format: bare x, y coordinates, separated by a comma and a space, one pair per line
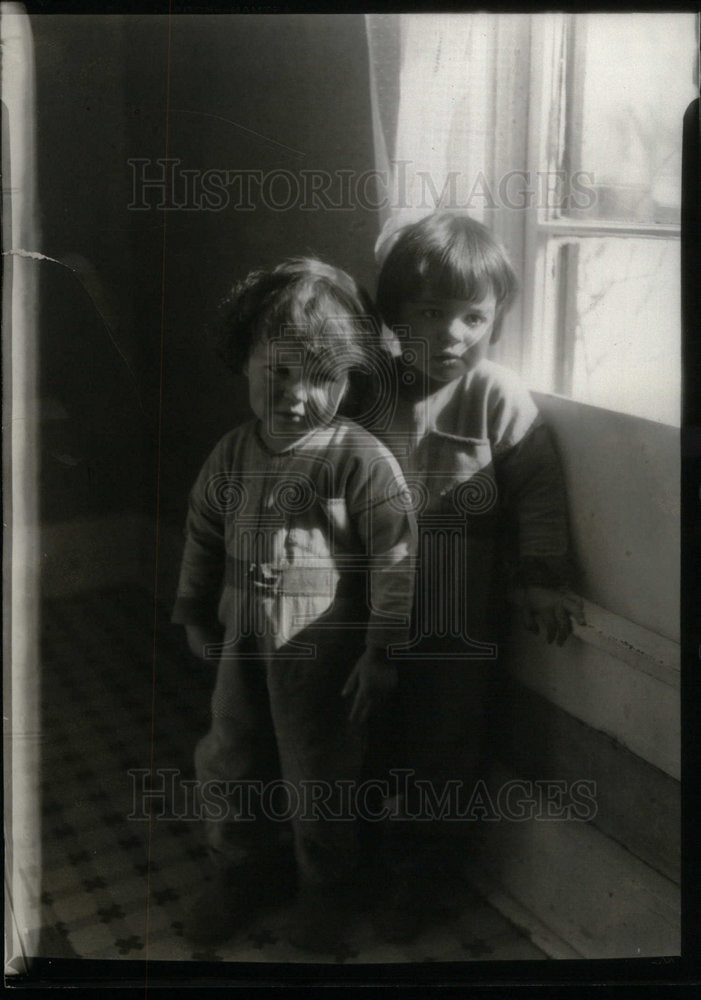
199, 636
372, 679
555, 609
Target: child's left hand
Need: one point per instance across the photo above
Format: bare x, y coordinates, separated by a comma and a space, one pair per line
372, 679
555, 609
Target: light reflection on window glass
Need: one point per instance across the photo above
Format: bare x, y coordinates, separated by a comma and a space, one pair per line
635, 76
627, 353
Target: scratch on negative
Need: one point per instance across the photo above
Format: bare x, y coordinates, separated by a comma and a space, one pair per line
242, 128
35, 255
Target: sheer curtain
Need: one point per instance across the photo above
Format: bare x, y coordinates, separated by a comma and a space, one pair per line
450, 96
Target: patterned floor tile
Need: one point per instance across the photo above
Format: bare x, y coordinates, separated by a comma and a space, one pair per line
112, 887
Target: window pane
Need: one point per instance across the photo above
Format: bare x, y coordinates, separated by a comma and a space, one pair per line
627, 353
631, 78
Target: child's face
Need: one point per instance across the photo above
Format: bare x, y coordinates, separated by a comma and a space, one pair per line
455, 332
289, 393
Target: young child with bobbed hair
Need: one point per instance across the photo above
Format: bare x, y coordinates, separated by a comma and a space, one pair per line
297, 575
489, 495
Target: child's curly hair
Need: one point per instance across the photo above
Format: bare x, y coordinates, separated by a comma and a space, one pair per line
317, 305
453, 256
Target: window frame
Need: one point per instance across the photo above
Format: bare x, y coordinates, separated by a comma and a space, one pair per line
551, 240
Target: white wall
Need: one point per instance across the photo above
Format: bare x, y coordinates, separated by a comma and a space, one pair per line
620, 674
623, 476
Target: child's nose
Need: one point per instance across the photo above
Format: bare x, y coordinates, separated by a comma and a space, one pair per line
296, 390
452, 331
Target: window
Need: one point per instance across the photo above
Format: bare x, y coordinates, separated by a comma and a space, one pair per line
563, 134
601, 269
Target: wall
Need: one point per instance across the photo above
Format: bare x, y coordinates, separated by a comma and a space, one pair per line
92, 426
623, 477
620, 674
129, 382
604, 708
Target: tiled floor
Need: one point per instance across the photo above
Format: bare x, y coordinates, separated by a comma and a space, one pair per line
115, 887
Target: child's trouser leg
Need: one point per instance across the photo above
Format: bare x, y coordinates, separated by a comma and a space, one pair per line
453, 742
320, 752
234, 762
237, 755
439, 740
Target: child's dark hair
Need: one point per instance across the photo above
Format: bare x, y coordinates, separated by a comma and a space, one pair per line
317, 305
451, 256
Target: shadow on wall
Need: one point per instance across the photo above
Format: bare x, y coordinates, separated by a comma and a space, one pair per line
132, 396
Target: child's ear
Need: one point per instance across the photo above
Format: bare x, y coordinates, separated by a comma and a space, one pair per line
496, 330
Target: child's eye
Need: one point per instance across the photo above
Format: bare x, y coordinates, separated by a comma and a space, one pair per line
429, 313
324, 379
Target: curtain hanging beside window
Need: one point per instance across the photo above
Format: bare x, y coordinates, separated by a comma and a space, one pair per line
450, 97
433, 91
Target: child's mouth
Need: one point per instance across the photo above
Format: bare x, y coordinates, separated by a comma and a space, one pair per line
445, 360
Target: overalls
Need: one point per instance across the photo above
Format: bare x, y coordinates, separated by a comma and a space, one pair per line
307, 557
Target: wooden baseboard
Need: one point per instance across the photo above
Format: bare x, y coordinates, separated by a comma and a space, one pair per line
575, 891
614, 676
538, 740
542, 936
